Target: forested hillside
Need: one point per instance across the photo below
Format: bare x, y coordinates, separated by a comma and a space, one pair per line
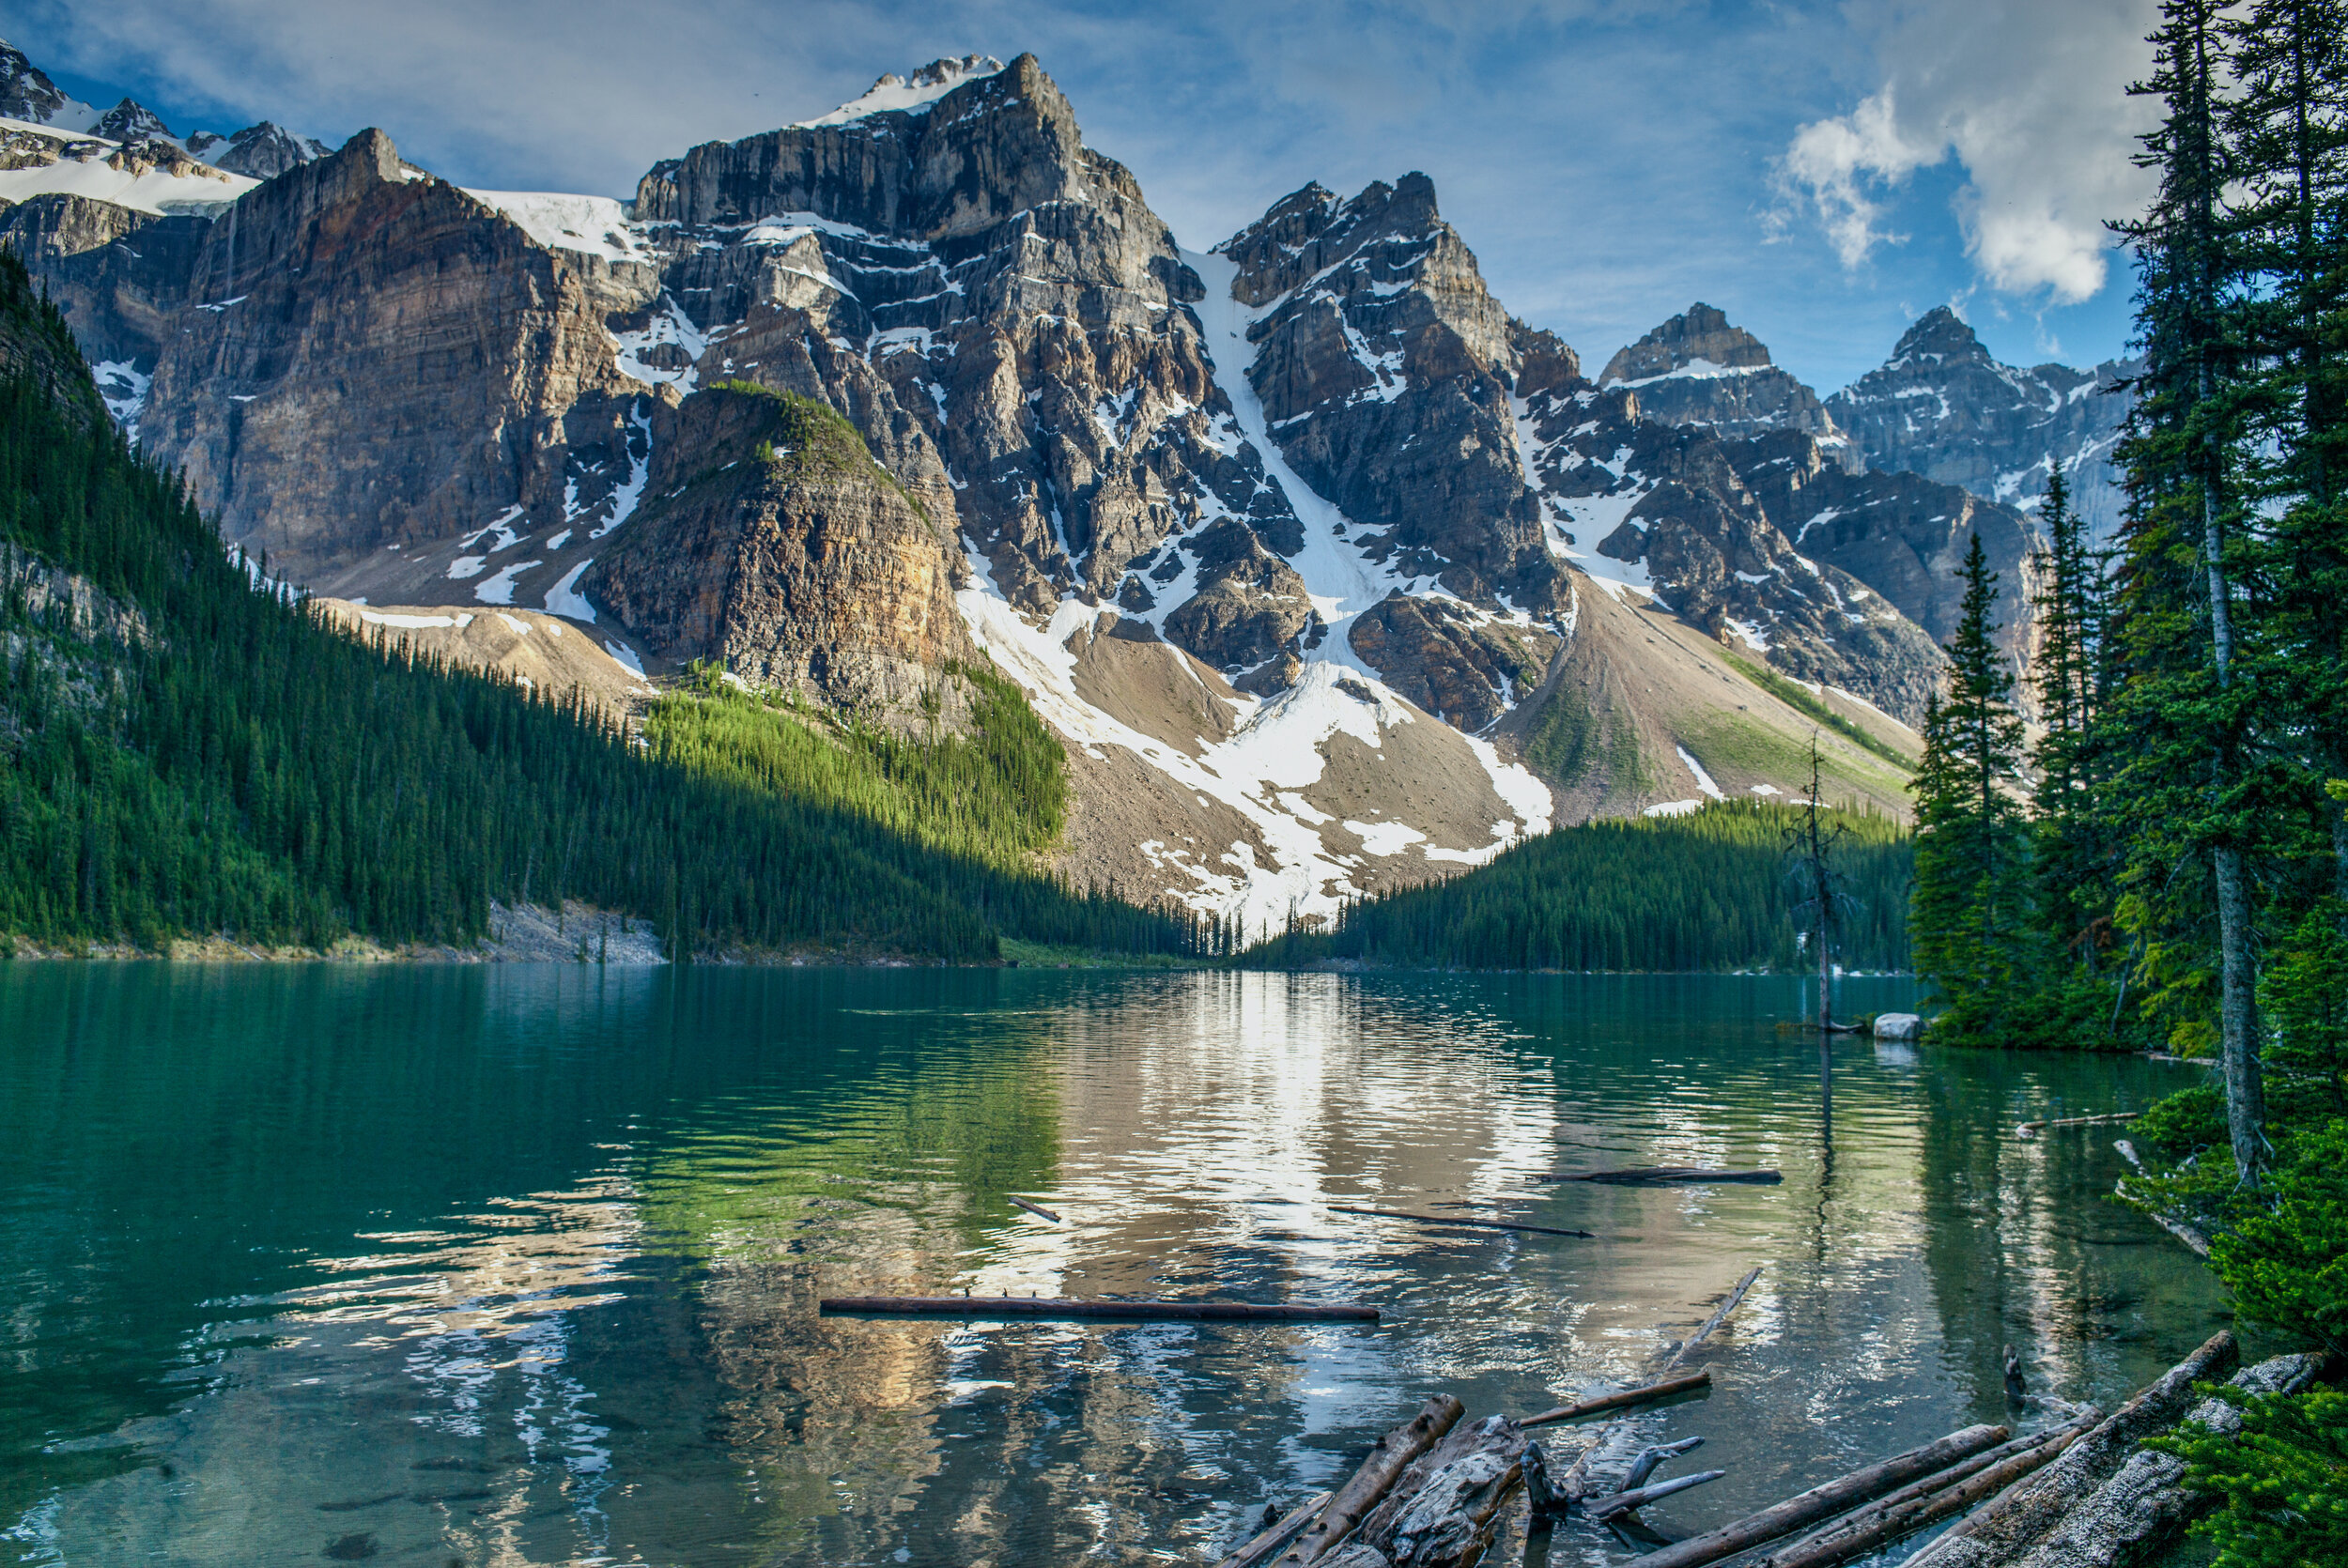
1709, 890
182, 753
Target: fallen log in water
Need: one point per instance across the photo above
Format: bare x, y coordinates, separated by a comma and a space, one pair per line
1035, 1208
2177, 1228
1574, 1483
1460, 1219
1443, 1508
1622, 1399
1387, 1459
2129, 1515
1262, 1548
1662, 1176
1720, 1316
1638, 1497
1053, 1306
1920, 1503
2009, 1522
1652, 1455
2031, 1129
1824, 1502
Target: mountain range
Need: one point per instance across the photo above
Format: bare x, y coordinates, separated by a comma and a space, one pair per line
1331, 575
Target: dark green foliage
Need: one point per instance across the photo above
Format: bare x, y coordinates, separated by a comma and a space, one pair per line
999, 794
2285, 1255
1705, 891
1970, 908
2282, 1479
237, 767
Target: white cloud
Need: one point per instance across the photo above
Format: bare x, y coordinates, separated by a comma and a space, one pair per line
2029, 96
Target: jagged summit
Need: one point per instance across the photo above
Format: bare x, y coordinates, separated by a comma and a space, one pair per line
910, 94
132, 121
1700, 341
1942, 334
27, 94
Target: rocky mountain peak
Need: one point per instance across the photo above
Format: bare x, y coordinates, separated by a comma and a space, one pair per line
1940, 333
132, 121
25, 92
912, 93
261, 151
1700, 335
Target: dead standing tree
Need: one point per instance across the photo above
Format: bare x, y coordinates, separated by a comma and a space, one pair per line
1809, 867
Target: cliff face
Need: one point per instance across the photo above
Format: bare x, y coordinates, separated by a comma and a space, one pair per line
776, 543
1941, 407
1698, 369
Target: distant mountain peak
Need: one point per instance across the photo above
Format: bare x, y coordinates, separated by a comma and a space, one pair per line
1940, 332
25, 92
1699, 336
132, 121
909, 94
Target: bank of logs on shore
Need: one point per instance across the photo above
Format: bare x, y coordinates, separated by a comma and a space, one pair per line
1438, 1490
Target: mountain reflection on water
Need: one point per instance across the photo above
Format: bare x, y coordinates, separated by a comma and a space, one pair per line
502, 1265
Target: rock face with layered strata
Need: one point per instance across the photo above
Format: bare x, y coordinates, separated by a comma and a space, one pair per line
1698, 369
1943, 407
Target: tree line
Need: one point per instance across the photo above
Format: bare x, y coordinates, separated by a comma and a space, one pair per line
2166, 867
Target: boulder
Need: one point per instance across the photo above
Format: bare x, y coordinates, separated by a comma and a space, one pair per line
1899, 1026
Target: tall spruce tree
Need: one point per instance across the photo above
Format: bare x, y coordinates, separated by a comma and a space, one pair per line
1970, 907
2069, 856
2187, 697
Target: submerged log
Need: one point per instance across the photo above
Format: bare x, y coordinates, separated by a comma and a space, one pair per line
1720, 1316
1035, 1208
1662, 1176
1574, 1485
1460, 1219
1638, 1497
1650, 1457
1824, 1502
1053, 1306
1921, 1503
2177, 1228
1387, 1459
2007, 1523
1622, 1399
1264, 1547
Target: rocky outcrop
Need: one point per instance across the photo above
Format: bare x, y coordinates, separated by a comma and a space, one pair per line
261, 151
1698, 369
25, 91
1941, 407
120, 276
132, 121
1465, 668
1249, 606
776, 545
1385, 368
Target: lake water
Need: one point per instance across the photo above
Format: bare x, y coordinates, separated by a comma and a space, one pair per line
518, 1265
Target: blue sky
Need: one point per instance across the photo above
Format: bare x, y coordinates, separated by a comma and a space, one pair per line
1824, 172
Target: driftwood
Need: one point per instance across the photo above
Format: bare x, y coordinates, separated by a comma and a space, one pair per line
1574, 1485
1264, 1547
1650, 1457
1053, 1306
1622, 1399
1927, 1501
2003, 1528
1387, 1459
1444, 1507
2177, 1228
1662, 1176
1824, 1502
1034, 1209
2139, 1505
1638, 1497
1460, 1219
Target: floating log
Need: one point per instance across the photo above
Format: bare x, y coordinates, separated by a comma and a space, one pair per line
1638, 1497
1442, 1511
1622, 1398
2177, 1228
1927, 1501
1662, 1176
1824, 1502
2031, 1129
1720, 1316
1387, 1459
1574, 1485
1650, 1457
1035, 1208
1460, 1219
1262, 1548
1053, 1306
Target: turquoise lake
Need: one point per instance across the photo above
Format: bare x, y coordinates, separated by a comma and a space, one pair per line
492, 1266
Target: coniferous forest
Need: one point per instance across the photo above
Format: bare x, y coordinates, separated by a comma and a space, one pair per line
2166, 868
192, 754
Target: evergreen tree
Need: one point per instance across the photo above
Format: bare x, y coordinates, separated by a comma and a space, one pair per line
1969, 912
2069, 855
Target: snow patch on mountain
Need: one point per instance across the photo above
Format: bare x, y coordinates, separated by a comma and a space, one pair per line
912, 94
596, 226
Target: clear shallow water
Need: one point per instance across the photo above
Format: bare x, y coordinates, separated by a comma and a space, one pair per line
518, 1265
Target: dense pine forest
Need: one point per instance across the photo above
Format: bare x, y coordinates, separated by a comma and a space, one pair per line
2167, 866
184, 753
1705, 891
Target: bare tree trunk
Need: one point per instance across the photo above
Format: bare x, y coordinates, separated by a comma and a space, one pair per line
2246, 1095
